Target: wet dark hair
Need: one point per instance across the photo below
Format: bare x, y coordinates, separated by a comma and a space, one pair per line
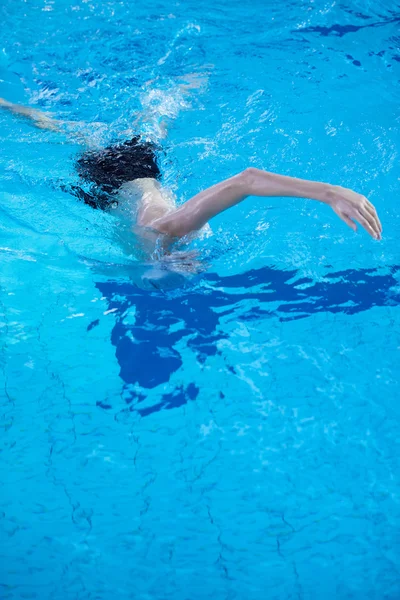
109, 168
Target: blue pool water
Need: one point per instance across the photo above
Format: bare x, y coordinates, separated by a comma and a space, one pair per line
232, 434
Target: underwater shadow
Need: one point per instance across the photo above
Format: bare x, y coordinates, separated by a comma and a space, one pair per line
146, 342
339, 30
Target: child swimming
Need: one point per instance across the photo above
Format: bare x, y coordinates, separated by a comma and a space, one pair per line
125, 180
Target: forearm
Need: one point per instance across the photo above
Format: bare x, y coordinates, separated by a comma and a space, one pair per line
253, 182
263, 183
347, 204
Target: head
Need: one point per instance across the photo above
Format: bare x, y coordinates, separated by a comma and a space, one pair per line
111, 167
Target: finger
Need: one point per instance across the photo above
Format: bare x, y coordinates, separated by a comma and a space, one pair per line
367, 224
369, 203
371, 209
371, 214
347, 220
373, 220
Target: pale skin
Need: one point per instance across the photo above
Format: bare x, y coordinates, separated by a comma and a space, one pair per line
156, 211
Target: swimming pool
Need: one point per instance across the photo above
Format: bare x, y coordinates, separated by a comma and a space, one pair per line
233, 434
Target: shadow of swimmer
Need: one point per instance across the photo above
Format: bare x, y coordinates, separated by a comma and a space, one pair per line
146, 344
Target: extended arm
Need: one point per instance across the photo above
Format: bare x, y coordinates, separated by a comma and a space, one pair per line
39, 118
192, 215
76, 131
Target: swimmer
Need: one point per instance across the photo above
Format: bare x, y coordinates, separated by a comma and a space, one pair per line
125, 180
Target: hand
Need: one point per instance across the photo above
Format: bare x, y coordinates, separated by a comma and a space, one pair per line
350, 207
4, 103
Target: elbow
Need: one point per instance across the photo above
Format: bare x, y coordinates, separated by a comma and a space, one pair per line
248, 177
250, 171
